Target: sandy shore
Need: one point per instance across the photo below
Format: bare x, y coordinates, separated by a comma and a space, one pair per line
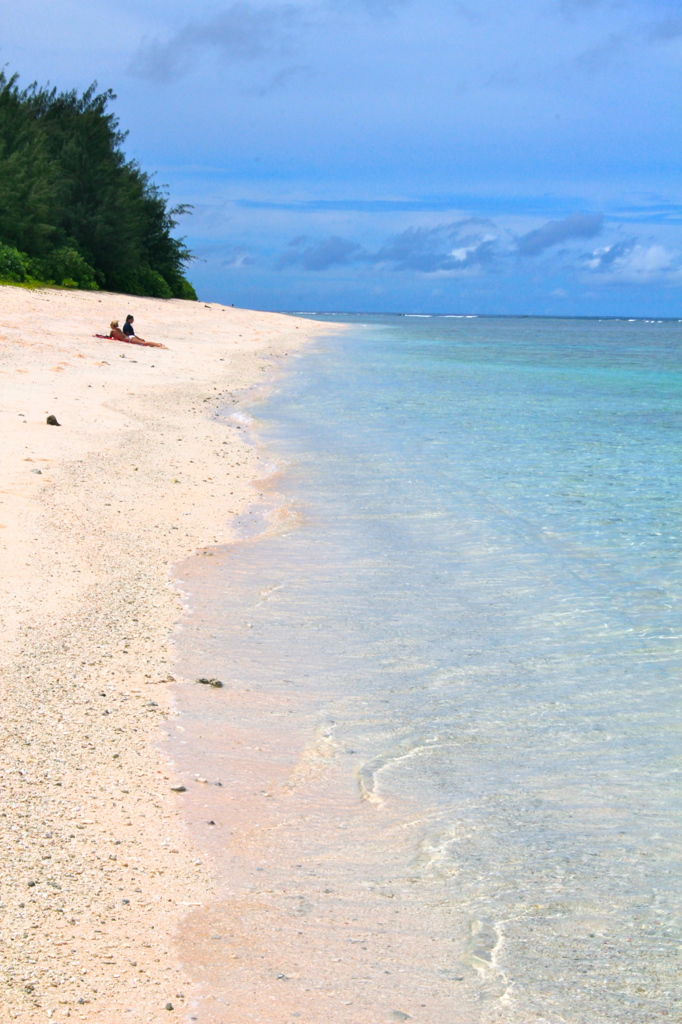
96, 868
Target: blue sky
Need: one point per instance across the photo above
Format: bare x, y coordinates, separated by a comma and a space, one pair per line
503, 156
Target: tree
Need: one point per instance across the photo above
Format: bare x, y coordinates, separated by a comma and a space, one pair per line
72, 204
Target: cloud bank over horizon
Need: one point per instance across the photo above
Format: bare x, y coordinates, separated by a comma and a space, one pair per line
393, 154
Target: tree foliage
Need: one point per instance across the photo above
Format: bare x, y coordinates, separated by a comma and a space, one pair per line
72, 208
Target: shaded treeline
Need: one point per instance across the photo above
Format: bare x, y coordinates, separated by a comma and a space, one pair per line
73, 210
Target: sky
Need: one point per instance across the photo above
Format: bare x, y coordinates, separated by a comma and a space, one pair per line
446, 156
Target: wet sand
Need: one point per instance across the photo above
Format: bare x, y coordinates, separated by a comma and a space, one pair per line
328, 908
97, 869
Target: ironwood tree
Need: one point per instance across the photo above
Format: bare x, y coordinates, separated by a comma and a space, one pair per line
73, 209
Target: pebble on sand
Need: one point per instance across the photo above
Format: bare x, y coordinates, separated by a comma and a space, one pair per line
210, 682
179, 789
52, 421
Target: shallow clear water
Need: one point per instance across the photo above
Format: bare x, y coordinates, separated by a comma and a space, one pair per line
453, 682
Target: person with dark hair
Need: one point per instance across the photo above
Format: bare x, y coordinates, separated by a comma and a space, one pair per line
117, 334
129, 329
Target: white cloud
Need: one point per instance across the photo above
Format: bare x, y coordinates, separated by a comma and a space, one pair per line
634, 262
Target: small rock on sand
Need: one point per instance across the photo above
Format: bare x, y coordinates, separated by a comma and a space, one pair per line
52, 421
179, 789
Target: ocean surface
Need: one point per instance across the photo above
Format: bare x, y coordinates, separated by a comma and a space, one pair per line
448, 745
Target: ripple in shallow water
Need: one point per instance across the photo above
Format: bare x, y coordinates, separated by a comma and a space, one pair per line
473, 625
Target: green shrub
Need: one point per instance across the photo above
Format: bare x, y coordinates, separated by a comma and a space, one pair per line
154, 284
13, 264
64, 266
143, 281
181, 287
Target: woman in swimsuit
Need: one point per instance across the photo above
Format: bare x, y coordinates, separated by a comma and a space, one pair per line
118, 335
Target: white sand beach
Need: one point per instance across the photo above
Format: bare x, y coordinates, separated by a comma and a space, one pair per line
96, 868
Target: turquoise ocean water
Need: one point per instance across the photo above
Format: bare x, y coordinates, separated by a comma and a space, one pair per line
467, 637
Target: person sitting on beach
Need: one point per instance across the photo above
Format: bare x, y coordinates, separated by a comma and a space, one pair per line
129, 329
117, 334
